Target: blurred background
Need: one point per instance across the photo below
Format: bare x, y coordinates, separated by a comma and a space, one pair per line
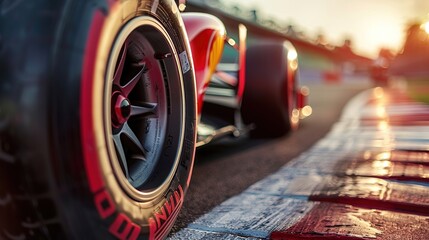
339, 41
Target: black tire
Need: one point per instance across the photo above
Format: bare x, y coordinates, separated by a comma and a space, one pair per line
76, 76
269, 99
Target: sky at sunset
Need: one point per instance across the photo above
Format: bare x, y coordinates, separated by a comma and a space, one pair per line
370, 24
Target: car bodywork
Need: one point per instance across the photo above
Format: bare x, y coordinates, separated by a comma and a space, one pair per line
220, 86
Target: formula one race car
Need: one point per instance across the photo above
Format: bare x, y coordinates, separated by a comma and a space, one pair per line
100, 105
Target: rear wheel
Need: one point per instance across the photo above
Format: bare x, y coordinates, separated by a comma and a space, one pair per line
269, 100
99, 136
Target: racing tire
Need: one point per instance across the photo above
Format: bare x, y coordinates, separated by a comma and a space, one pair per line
97, 120
269, 99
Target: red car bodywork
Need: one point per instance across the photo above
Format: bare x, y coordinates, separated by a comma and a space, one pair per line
207, 35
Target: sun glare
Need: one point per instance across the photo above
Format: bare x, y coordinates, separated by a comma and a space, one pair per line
426, 27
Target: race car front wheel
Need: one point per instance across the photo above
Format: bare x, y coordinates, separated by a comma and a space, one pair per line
269, 99
97, 124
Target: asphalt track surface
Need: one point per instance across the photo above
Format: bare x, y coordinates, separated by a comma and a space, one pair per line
228, 167
367, 179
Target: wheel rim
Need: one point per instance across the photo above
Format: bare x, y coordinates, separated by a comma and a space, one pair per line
145, 108
291, 98
293, 112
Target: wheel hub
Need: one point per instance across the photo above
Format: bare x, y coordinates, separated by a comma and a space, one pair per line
121, 109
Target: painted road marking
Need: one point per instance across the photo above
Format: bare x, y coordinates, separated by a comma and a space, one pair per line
368, 178
339, 221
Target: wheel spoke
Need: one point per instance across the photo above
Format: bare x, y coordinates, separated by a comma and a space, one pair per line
138, 158
129, 133
121, 64
121, 153
133, 82
149, 109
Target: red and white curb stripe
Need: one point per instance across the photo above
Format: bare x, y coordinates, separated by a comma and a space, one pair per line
367, 179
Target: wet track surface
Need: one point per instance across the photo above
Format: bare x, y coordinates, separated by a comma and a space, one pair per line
367, 179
